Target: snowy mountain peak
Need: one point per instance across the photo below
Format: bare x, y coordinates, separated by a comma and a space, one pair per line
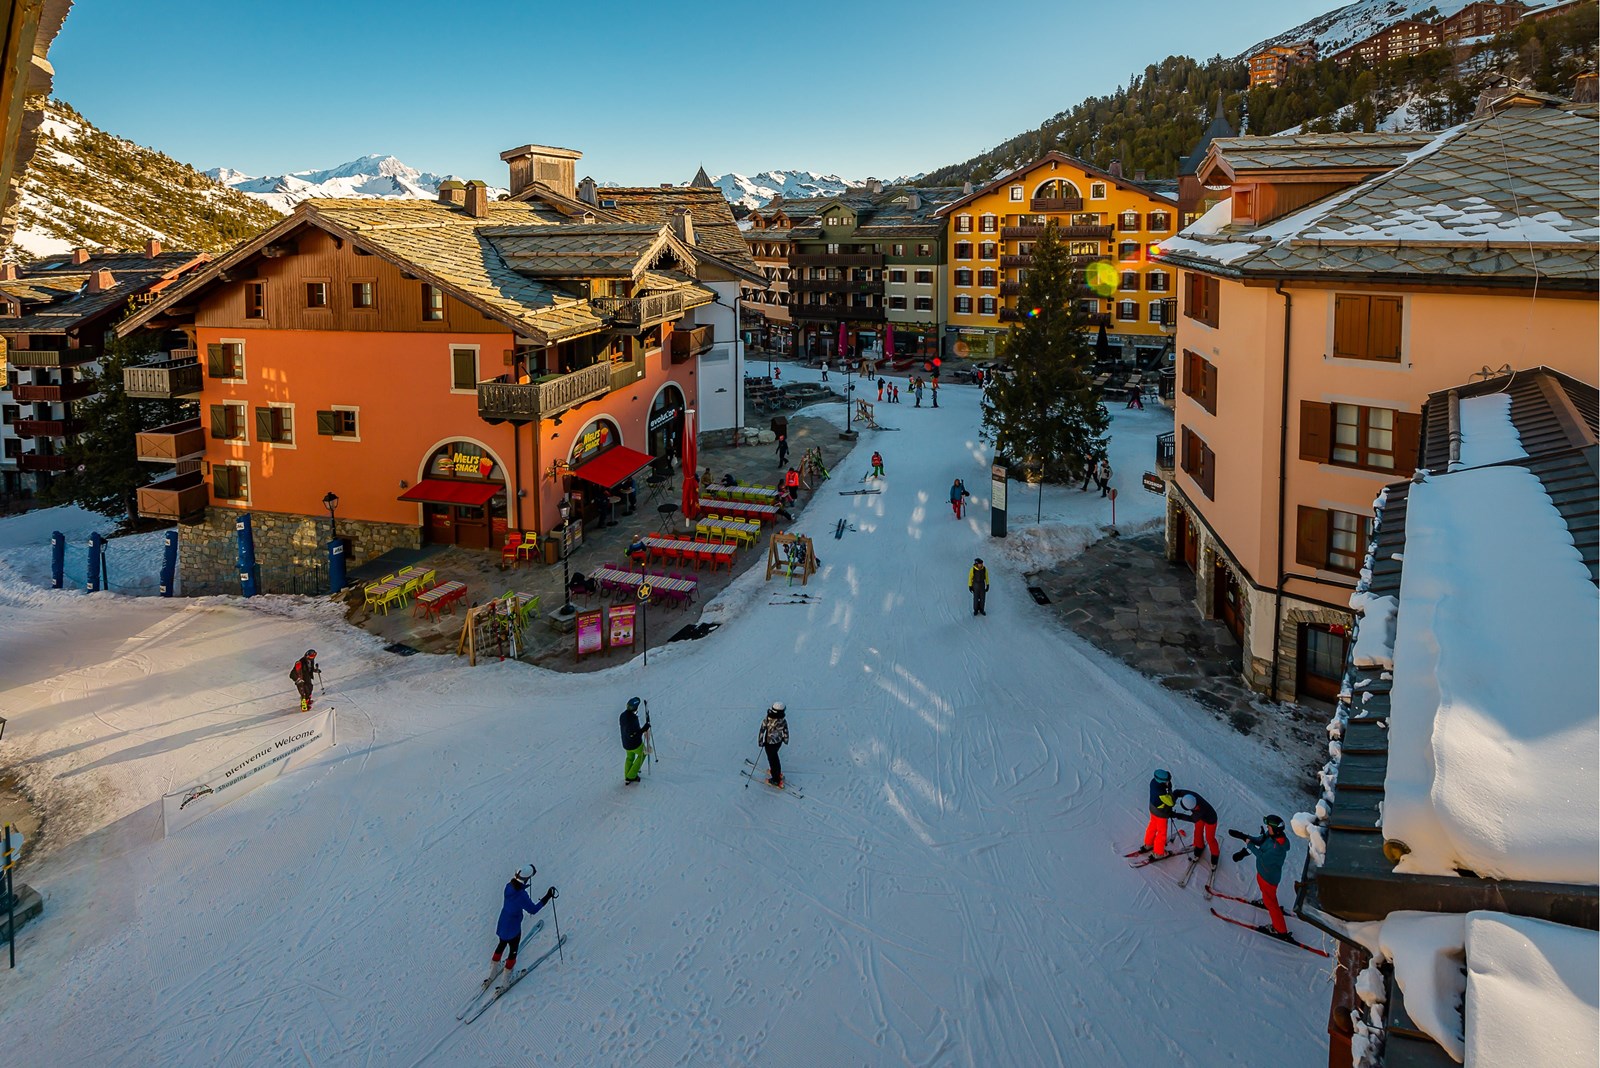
1342, 27
377, 175
755, 190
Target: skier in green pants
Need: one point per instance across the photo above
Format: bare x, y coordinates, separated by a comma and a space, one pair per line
633, 739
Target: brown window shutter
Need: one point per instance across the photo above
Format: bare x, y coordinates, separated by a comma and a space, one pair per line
327, 423
219, 421
1351, 317
1383, 332
1211, 387
1407, 439
1188, 373
1316, 431
1311, 537
1213, 300
217, 361
1208, 476
263, 424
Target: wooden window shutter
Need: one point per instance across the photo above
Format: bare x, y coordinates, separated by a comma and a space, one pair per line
263, 424
219, 421
1383, 331
1189, 370
1311, 537
1316, 431
217, 362
1407, 439
1351, 318
1210, 371
1208, 474
327, 423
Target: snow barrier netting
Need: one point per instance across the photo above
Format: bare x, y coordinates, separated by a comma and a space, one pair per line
290, 750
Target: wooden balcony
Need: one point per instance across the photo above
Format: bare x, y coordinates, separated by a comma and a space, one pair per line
1022, 233
1012, 315
1044, 205
1166, 452
1011, 289
633, 314
1169, 313
836, 259
52, 394
178, 498
47, 428
689, 342
1086, 233
501, 402
38, 461
50, 357
1016, 261
166, 380
837, 313
183, 440
833, 285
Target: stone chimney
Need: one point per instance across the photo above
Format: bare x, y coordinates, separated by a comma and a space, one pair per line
874, 186
544, 164
152, 248
8, 272
1138, 175
80, 255
683, 225
452, 192
477, 199
101, 280
966, 189
586, 191
1585, 90
914, 201
1115, 170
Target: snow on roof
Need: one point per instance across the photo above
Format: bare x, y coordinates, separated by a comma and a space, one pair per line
1493, 737
1487, 434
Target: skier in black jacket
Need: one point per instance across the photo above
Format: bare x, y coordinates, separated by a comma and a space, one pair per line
1188, 805
633, 739
774, 733
301, 673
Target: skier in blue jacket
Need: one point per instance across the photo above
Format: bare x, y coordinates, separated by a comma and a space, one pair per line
509, 928
1271, 849
1155, 831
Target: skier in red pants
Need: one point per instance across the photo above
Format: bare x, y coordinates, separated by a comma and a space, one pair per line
1155, 832
1271, 849
1190, 806
958, 496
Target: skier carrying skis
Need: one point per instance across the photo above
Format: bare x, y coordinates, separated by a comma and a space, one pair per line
633, 740
957, 493
773, 734
1155, 832
978, 583
877, 465
1271, 849
1190, 806
509, 928
301, 673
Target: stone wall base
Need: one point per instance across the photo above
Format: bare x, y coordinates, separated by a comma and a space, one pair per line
291, 550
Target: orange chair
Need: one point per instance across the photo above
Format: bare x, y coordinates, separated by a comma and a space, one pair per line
508, 551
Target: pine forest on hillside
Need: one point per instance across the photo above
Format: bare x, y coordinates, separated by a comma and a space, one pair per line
1152, 123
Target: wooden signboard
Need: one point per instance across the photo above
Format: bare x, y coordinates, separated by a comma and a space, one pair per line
1154, 482
590, 632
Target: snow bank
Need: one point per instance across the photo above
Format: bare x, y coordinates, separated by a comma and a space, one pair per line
133, 562
1487, 434
1374, 646
1428, 951
1532, 993
1493, 735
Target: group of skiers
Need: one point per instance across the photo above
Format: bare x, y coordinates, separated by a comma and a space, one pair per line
1270, 846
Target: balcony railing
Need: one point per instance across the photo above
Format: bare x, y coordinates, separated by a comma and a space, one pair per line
39, 461
500, 402
1017, 315
166, 380
168, 444
836, 259
52, 394
1011, 289
47, 428
1169, 313
1042, 205
691, 342
833, 285
50, 357
1166, 451
836, 312
1016, 261
1087, 232
177, 498
1022, 233
638, 313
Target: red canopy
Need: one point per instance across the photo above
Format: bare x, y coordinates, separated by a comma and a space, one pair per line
613, 466
446, 491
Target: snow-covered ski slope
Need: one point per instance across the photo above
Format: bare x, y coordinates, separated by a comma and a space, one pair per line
950, 890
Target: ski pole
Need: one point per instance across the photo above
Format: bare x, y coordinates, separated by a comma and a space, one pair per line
557, 917
322, 690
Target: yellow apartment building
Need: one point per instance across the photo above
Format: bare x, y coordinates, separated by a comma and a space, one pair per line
1104, 218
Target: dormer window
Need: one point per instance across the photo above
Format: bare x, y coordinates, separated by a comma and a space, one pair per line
1244, 205
1097, 190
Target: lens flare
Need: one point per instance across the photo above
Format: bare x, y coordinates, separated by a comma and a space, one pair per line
1101, 277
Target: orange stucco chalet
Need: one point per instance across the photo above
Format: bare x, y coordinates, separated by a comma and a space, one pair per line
446, 368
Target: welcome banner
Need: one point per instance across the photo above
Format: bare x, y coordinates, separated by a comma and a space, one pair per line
283, 754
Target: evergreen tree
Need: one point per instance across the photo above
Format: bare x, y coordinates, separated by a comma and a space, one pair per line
1046, 414
103, 470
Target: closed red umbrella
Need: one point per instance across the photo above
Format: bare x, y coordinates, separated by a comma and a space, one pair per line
841, 343
691, 459
888, 342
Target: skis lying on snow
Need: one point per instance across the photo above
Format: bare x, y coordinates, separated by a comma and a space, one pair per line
1188, 873
795, 598
516, 977
838, 531
1286, 939
494, 973
1147, 860
753, 774
1174, 846
857, 493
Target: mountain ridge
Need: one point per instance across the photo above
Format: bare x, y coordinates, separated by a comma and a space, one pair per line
376, 175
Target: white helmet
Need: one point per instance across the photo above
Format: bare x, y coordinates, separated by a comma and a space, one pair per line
1185, 803
778, 707
525, 874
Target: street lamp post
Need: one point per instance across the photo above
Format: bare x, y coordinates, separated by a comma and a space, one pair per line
567, 607
331, 502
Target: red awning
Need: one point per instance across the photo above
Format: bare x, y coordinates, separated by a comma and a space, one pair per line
613, 466
445, 491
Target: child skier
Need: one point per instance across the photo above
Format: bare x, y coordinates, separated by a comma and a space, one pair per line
301, 673
1270, 848
791, 485
633, 740
877, 465
509, 928
957, 494
1190, 806
978, 583
773, 734
1155, 832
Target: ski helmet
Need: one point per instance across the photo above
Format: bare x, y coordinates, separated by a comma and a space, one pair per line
778, 707
311, 654
977, 559
633, 704
1273, 824
1162, 775
1185, 803
524, 874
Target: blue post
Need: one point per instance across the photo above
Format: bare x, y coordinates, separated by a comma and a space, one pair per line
336, 565
169, 562
247, 555
58, 559
97, 549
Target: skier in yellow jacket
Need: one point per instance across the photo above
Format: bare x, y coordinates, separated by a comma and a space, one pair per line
978, 583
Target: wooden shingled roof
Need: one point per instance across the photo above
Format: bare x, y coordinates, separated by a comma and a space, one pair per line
55, 295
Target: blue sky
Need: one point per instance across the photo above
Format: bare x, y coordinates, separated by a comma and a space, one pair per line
647, 91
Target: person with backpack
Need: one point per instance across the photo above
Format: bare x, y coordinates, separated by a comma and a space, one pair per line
509, 927
1191, 807
877, 465
633, 740
1271, 849
1155, 831
978, 583
301, 674
958, 495
1102, 475
773, 735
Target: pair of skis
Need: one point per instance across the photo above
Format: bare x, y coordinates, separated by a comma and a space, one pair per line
488, 993
1286, 938
752, 773
795, 598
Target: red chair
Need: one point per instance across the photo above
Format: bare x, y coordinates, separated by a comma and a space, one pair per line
508, 552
